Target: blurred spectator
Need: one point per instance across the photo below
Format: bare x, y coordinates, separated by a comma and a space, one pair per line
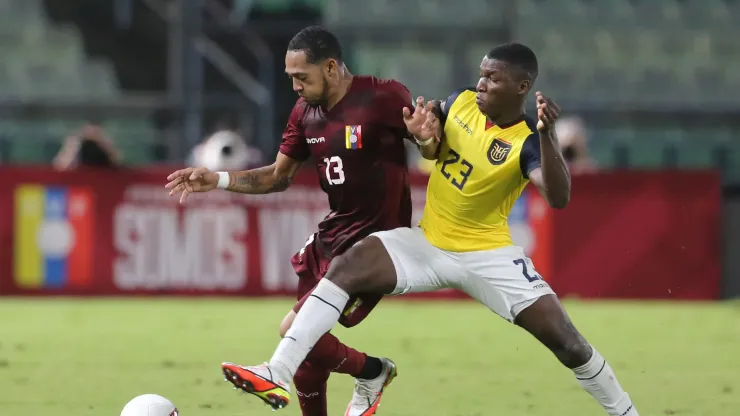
571, 132
225, 150
89, 147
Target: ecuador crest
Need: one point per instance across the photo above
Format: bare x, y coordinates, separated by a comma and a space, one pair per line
499, 151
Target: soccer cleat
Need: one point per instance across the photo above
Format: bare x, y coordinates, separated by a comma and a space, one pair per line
367, 395
260, 381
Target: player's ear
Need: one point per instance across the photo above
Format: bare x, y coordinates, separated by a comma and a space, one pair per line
524, 86
331, 67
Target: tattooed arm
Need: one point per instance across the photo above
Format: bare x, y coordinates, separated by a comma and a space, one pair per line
274, 178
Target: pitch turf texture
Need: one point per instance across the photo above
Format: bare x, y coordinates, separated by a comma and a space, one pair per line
89, 357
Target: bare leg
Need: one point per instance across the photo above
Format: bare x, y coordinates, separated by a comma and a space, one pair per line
547, 321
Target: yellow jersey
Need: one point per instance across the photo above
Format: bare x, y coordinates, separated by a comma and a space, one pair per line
481, 171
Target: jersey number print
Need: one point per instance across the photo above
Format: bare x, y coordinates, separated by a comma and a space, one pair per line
466, 169
334, 170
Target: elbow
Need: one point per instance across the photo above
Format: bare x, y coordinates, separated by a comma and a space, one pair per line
282, 184
281, 181
559, 201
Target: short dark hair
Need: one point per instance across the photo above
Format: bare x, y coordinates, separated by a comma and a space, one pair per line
318, 44
517, 55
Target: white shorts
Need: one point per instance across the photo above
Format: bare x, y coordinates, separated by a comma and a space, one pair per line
503, 279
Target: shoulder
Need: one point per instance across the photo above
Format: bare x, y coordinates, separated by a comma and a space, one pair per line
380, 84
459, 94
531, 124
530, 153
299, 112
531, 136
385, 87
300, 106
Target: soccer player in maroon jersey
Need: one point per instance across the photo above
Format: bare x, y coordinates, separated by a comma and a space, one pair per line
353, 127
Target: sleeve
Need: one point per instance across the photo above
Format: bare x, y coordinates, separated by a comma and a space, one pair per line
444, 105
530, 157
293, 143
394, 98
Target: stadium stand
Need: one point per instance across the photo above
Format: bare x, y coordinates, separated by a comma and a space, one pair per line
49, 61
677, 54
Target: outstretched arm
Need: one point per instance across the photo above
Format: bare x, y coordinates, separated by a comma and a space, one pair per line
439, 109
274, 178
552, 179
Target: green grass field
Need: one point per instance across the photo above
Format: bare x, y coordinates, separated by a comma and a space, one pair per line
89, 357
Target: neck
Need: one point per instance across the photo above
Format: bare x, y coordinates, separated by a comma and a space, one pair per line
345, 82
506, 117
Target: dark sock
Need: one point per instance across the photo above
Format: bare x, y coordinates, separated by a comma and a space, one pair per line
371, 370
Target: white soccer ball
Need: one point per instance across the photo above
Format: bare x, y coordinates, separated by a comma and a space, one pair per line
149, 405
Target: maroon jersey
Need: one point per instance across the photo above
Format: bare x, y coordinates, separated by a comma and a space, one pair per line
360, 158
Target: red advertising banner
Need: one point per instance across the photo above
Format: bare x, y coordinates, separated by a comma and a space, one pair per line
85, 232
640, 235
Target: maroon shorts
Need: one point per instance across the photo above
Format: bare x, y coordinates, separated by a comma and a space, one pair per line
310, 266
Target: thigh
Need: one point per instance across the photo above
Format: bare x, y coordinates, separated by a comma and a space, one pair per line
311, 266
504, 280
420, 267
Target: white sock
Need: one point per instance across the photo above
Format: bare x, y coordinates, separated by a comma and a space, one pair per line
317, 317
597, 378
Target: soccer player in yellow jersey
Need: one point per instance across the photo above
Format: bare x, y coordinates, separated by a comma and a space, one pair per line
486, 151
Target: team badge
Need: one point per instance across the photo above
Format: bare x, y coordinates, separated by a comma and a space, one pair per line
353, 137
498, 152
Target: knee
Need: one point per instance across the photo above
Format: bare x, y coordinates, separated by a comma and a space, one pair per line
286, 323
573, 352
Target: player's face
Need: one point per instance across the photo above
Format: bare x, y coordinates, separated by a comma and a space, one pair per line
498, 88
310, 81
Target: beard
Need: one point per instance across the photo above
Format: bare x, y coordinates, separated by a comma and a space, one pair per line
323, 99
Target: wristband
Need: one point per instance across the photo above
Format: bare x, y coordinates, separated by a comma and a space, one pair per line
223, 180
424, 142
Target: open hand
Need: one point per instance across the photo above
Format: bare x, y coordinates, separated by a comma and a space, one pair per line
191, 180
423, 124
547, 113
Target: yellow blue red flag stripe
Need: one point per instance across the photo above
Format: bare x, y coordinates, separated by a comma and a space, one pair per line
353, 137
52, 236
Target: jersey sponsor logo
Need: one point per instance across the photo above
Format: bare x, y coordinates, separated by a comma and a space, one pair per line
314, 140
463, 125
353, 137
498, 152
